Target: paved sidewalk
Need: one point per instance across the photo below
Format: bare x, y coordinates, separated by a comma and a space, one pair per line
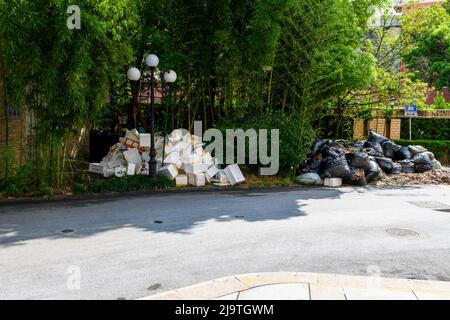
309, 286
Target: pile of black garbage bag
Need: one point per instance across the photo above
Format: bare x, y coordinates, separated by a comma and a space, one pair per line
365, 161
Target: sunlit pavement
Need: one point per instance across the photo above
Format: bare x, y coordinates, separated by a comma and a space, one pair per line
131, 248
309, 286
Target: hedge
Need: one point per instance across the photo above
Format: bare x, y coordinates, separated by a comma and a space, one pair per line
426, 129
440, 148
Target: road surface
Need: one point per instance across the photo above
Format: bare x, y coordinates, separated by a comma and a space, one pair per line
129, 248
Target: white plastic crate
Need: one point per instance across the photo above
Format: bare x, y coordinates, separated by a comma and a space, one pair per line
234, 174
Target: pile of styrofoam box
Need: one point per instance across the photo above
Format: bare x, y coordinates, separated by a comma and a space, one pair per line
180, 157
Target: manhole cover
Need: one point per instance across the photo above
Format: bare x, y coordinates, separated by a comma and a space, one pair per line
430, 205
68, 231
155, 286
404, 233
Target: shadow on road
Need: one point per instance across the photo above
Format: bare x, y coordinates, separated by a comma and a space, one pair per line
175, 213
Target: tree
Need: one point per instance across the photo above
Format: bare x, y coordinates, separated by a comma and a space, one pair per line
427, 43
61, 76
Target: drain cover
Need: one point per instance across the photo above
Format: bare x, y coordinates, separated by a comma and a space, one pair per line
68, 231
430, 205
404, 233
155, 286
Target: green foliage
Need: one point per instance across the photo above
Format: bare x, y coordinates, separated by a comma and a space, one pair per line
296, 135
439, 148
426, 38
434, 129
124, 184
61, 76
17, 183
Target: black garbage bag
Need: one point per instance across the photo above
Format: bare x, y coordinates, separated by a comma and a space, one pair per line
358, 160
385, 164
313, 165
370, 152
402, 154
358, 177
360, 144
334, 164
375, 137
317, 146
423, 167
373, 173
396, 168
423, 158
375, 146
407, 166
389, 149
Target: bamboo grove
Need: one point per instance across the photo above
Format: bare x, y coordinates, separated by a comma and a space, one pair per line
235, 59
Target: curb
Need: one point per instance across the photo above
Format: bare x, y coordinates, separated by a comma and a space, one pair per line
136, 194
235, 284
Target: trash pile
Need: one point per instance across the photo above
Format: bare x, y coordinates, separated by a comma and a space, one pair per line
431, 177
180, 157
364, 161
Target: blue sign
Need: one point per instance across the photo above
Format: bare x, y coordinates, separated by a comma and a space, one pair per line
411, 110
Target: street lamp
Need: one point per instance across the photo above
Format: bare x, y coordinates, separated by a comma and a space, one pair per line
134, 75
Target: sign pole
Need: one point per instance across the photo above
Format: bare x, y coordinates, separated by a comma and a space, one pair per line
410, 128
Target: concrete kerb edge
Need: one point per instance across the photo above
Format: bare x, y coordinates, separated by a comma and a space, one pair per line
228, 285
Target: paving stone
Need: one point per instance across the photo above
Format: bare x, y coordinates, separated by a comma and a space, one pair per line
427, 295
288, 291
321, 292
378, 294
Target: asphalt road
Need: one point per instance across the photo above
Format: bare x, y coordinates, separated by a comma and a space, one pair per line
132, 247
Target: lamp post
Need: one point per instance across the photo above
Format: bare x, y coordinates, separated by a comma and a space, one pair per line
134, 75
169, 77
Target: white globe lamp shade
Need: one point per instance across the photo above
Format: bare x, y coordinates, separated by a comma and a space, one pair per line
170, 76
152, 60
133, 74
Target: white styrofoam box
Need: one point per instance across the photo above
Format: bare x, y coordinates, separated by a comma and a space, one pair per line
179, 165
196, 168
145, 140
181, 145
221, 176
169, 171
197, 179
206, 158
191, 158
196, 139
120, 171
108, 172
211, 173
187, 150
198, 150
181, 180
113, 160
132, 155
131, 169
168, 148
332, 182
145, 156
177, 135
234, 174
172, 158
131, 139
97, 168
